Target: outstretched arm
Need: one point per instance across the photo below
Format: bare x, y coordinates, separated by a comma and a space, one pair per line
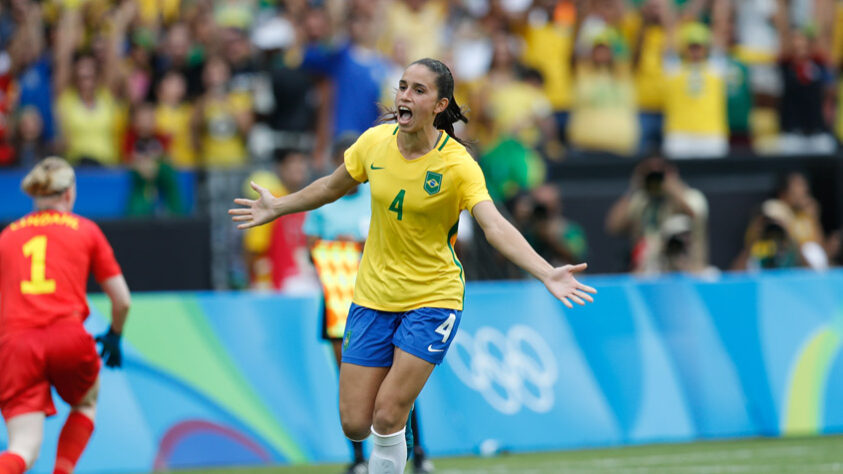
507, 240
267, 207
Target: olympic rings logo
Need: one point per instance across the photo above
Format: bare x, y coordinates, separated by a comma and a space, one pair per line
511, 371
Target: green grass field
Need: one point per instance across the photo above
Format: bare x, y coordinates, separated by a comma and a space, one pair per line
791, 455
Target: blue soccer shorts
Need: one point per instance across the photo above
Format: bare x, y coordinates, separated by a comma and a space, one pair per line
372, 335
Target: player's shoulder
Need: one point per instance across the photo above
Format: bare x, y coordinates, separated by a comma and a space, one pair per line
455, 153
378, 133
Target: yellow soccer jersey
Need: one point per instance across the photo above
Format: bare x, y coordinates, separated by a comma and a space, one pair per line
409, 260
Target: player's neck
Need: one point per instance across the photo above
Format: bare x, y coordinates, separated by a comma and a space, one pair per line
415, 144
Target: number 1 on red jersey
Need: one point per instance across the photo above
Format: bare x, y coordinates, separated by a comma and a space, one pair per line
38, 284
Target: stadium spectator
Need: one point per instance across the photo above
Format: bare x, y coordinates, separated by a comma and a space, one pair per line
509, 103
695, 92
656, 193
88, 88
604, 99
180, 53
358, 73
558, 239
221, 119
31, 66
29, 143
805, 226
769, 241
548, 33
277, 255
648, 46
416, 28
806, 82
173, 116
155, 189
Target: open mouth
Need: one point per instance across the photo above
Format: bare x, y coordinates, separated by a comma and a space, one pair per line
404, 115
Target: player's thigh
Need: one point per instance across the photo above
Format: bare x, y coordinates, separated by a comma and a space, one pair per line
399, 390
73, 364
359, 387
24, 387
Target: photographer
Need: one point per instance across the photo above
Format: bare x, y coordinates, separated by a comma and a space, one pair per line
770, 241
656, 194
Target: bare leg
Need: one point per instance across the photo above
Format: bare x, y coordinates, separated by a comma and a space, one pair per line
395, 398
358, 389
399, 391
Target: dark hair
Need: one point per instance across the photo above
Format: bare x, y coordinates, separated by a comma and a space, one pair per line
446, 119
280, 155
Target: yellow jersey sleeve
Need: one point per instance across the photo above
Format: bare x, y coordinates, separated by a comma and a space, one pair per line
472, 185
354, 158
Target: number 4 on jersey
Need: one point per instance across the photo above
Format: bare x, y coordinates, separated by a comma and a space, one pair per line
397, 205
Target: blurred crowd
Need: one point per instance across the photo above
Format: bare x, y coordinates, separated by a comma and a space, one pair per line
161, 85
221, 83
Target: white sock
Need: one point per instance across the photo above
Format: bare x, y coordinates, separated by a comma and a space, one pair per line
389, 453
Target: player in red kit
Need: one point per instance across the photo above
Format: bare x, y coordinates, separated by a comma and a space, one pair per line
45, 260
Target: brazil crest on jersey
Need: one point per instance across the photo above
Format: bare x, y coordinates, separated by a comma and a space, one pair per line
409, 260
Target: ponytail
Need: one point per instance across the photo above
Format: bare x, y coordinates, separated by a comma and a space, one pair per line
446, 119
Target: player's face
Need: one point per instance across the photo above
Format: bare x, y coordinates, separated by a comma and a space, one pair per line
417, 99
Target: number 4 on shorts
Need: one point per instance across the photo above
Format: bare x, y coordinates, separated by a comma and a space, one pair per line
445, 328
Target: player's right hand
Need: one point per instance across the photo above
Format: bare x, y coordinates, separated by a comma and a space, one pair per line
111, 352
254, 212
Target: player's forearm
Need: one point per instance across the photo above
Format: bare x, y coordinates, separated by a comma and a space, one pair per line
316, 194
508, 241
118, 293
119, 314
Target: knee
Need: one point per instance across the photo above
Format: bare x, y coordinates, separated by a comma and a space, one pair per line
356, 431
389, 416
355, 426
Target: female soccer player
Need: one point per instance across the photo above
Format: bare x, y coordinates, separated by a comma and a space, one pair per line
408, 295
46, 257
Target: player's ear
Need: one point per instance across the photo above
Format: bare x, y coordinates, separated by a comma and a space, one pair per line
441, 105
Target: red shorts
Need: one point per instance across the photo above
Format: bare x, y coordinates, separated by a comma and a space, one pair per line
62, 355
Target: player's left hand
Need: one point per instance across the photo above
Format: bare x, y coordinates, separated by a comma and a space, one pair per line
111, 352
562, 284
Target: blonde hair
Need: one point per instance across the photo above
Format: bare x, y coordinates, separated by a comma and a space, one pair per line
50, 177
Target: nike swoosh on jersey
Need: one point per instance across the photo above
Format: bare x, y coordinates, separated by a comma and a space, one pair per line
372, 166
431, 349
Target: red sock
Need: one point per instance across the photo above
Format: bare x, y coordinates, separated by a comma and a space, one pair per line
11, 463
72, 441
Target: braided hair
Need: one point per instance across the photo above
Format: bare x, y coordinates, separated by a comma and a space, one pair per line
446, 119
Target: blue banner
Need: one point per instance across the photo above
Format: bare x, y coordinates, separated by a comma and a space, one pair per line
217, 379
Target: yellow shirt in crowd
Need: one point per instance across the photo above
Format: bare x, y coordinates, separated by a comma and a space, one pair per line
409, 260
549, 48
695, 98
604, 100
222, 142
90, 132
417, 32
174, 122
649, 77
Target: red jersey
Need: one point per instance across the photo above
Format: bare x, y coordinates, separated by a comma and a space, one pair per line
45, 260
